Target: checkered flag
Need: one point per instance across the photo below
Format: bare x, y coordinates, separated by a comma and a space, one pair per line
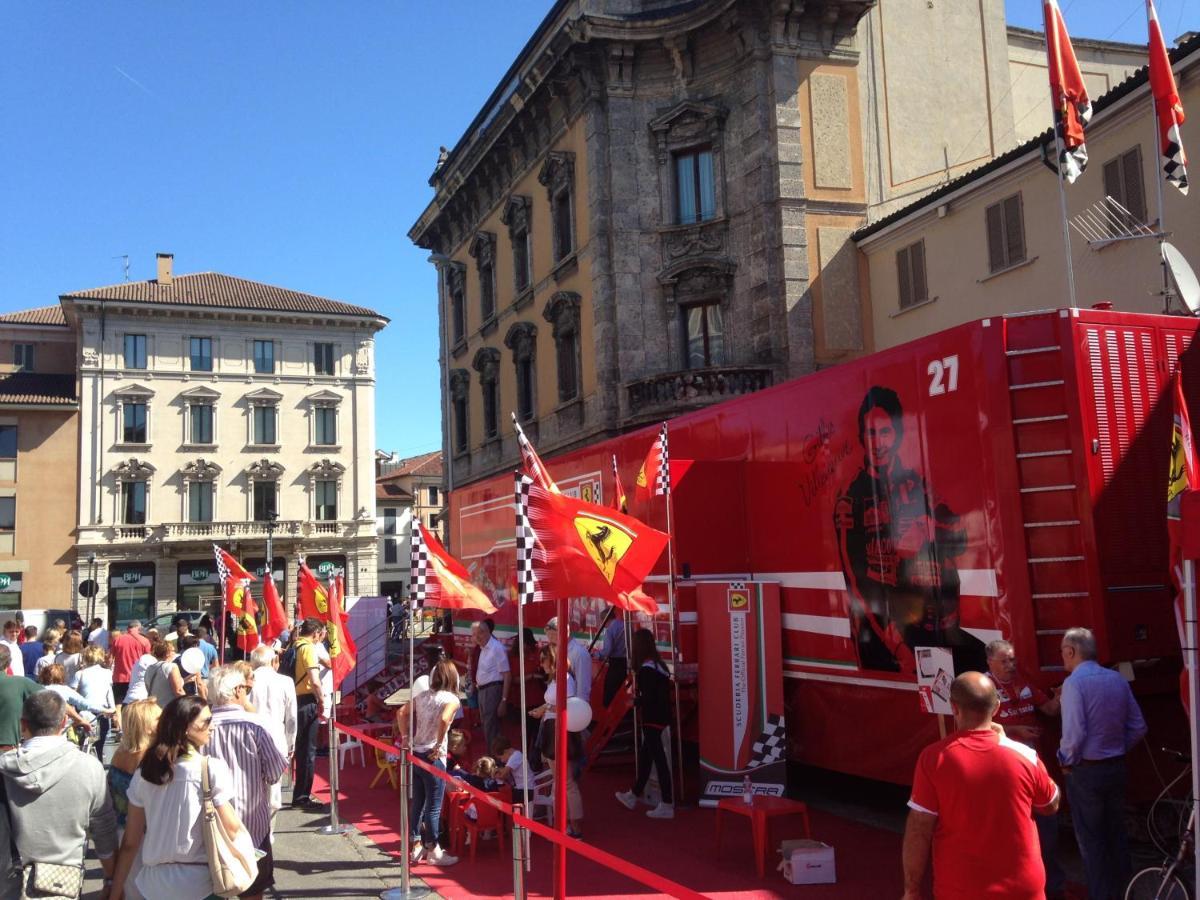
662, 481
419, 573
771, 744
1167, 106
528, 549
532, 462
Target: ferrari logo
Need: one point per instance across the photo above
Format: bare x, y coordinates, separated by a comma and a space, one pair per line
238, 600
738, 601
446, 576
1177, 478
641, 479
605, 541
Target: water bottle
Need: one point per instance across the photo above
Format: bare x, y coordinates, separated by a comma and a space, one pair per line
747, 791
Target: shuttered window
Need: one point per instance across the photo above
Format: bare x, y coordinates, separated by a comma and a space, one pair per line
1005, 233
1123, 182
910, 270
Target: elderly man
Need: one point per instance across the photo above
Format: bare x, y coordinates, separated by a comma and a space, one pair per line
241, 740
1020, 703
492, 678
1101, 723
972, 798
579, 658
56, 795
274, 696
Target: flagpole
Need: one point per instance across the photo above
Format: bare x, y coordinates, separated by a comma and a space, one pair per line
1192, 659
560, 747
674, 643
1056, 117
518, 831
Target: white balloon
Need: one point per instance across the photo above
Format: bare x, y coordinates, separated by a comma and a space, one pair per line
421, 685
579, 714
192, 660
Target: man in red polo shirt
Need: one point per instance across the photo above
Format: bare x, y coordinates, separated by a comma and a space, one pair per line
126, 650
972, 799
1020, 703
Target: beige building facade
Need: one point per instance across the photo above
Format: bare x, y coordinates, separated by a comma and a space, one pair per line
992, 242
654, 210
39, 419
219, 410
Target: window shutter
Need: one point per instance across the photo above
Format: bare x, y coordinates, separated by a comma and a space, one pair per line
904, 277
1112, 180
995, 237
1135, 197
1014, 229
916, 258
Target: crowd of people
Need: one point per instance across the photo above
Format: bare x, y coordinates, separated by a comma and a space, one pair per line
983, 802
63, 692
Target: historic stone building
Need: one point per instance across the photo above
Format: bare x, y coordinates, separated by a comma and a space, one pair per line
653, 210
219, 410
405, 490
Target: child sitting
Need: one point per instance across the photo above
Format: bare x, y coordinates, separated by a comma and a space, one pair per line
512, 768
456, 754
484, 776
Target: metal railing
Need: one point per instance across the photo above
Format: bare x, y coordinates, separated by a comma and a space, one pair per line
694, 387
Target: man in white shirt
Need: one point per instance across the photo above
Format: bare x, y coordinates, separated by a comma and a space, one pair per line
98, 635
274, 696
577, 656
12, 640
492, 678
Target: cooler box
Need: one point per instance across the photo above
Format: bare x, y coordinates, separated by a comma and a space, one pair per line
807, 862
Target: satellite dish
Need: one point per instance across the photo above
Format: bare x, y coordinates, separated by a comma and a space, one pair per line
1183, 276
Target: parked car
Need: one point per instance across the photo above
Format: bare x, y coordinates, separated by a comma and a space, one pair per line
43, 618
163, 620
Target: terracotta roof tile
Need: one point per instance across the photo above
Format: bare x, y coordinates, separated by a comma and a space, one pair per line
37, 387
42, 315
223, 291
425, 464
387, 491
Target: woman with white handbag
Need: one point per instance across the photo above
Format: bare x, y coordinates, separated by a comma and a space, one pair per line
182, 846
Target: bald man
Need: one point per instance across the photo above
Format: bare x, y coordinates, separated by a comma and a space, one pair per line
972, 801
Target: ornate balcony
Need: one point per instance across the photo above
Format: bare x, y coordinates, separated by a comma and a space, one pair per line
673, 392
191, 532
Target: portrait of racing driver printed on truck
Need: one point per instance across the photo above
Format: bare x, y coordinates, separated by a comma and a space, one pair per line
898, 552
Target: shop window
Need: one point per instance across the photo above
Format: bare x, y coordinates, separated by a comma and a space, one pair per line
1005, 233
200, 353
704, 334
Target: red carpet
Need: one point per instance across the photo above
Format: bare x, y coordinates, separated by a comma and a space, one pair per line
682, 849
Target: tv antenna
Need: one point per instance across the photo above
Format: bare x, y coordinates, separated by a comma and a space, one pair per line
1187, 288
124, 257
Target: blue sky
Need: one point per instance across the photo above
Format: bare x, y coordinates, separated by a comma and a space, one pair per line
287, 143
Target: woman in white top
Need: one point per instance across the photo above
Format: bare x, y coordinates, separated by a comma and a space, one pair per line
166, 808
432, 711
137, 680
70, 654
94, 682
547, 739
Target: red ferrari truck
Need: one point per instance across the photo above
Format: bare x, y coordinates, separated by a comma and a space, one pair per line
1003, 478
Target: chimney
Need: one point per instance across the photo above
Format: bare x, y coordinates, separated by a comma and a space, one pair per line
165, 262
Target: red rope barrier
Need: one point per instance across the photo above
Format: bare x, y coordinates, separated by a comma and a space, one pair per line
595, 854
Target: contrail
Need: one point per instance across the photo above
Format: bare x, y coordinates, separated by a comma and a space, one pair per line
134, 80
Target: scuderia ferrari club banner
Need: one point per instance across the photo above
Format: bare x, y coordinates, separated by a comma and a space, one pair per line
742, 726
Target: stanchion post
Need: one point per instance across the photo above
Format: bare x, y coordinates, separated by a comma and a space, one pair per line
518, 848
406, 891
334, 826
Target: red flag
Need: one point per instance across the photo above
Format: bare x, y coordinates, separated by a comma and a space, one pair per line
1068, 95
276, 623
660, 473
447, 583
620, 501
1167, 107
313, 598
235, 588
533, 463
587, 550
343, 652
1183, 476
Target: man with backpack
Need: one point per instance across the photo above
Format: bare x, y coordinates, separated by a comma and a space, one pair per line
304, 663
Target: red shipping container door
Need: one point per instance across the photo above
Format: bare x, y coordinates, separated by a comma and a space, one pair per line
1001, 478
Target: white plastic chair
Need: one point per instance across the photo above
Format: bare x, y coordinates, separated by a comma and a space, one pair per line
346, 746
541, 794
